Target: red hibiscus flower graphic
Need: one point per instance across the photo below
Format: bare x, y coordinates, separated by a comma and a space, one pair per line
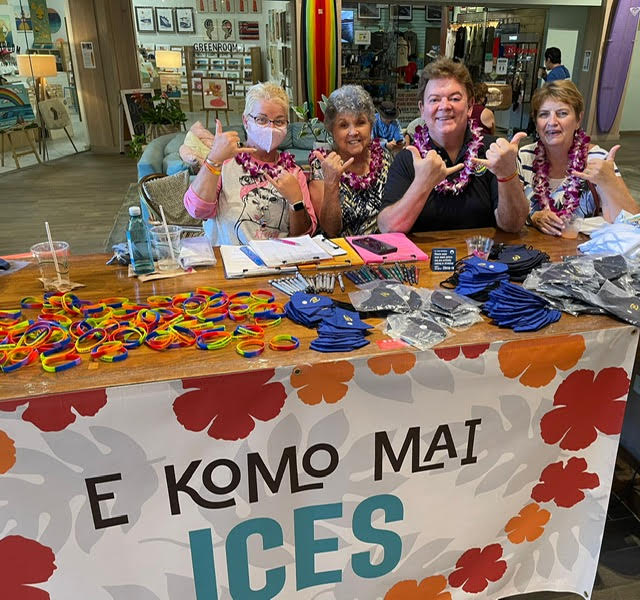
22, 563
470, 351
564, 485
477, 567
54, 413
588, 405
228, 404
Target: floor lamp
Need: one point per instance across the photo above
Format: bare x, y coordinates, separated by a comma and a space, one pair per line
38, 66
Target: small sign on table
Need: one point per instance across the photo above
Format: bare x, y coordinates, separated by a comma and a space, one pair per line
443, 259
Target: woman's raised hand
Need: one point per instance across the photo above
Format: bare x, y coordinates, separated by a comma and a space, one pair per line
226, 145
332, 166
288, 186
431, 169
599, 170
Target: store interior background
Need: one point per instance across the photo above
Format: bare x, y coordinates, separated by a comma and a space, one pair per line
82, 194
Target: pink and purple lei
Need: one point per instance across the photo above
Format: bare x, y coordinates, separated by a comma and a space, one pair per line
362, 182
286, 162
422, 141
572, 185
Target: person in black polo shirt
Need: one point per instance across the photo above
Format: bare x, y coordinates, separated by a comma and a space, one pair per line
453, 176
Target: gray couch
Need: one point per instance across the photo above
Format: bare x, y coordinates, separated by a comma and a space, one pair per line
161, 155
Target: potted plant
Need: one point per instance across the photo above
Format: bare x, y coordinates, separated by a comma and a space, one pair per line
312, 125
161, 115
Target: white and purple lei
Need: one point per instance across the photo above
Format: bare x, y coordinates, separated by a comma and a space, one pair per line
362, 182
572, 185
286, 162
422, 141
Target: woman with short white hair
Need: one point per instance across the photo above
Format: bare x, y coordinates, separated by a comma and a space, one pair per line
252, 192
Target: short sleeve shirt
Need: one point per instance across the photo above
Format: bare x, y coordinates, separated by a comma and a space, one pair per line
360, 208
474, 207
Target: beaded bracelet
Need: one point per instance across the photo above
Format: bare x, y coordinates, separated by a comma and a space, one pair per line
284, 342
60, 362
220, 340
244, 348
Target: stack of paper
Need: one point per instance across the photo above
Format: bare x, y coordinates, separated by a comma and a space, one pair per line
282, 252
238, 264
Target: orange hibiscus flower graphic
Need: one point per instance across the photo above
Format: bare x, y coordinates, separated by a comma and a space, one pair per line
564, 485
7, 452
586, 405
430, 588
399, 363
469, 351
325, 381
528, 525
228, 405
536, 361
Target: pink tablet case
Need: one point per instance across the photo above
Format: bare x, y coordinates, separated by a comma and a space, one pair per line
407, 250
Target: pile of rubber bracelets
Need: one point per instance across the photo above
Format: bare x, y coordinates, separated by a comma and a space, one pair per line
68, 327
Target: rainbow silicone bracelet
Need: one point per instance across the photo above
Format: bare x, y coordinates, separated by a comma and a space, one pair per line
263, 296
248, 331
213, 340
111, 351
284, 342
30, 302
244, 348
131, 337
60, 362
90, 340
160, 339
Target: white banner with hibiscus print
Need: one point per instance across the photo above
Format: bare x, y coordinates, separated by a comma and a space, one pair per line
472, 472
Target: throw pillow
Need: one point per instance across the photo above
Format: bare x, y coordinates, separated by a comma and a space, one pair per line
169, 192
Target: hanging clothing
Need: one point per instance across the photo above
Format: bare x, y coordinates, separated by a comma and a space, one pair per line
461, 40
450, 43
412, 40
402, 53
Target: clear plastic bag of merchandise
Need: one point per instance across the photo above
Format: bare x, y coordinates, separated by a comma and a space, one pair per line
384, 295
417, 329
450, 309
196, 251
617, 302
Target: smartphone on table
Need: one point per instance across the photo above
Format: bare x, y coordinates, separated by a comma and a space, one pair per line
373, 245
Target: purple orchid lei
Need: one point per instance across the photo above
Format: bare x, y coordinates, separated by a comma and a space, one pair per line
286, 162
572, 185
422, 141
362, 182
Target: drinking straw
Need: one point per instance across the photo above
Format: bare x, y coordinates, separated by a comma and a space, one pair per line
166, 230
53, 252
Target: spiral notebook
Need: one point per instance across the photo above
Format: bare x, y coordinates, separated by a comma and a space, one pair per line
406, 251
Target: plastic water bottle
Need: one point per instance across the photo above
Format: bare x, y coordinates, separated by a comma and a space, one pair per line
139, 243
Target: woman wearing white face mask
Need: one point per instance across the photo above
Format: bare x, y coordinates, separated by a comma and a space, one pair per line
252, 192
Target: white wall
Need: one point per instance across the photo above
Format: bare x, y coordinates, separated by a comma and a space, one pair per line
571, 19
630, 113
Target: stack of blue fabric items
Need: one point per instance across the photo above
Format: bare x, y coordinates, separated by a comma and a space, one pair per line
512, 306
479, 275
339, 330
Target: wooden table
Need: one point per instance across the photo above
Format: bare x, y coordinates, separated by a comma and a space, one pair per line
203, 475
146, 365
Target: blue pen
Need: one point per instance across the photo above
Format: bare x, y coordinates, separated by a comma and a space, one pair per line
253, 256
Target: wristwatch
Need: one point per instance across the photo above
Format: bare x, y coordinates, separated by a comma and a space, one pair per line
297, 206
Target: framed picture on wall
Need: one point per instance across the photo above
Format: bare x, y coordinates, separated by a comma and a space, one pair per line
401, 11
133, 102
184, 19
214, 94
144, 19
433, 13
164, 20
368, 11
228, 30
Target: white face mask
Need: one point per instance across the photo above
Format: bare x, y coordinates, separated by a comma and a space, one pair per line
266, 138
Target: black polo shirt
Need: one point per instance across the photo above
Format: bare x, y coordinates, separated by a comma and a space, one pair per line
473, 207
